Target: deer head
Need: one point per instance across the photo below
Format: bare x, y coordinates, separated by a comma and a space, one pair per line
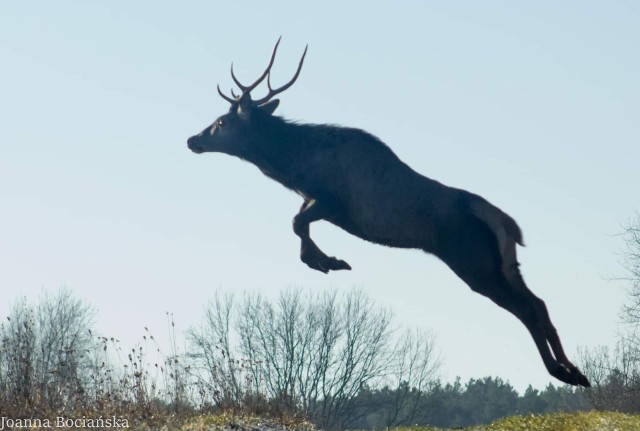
234, 132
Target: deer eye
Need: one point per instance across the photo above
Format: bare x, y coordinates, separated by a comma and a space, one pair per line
220, 123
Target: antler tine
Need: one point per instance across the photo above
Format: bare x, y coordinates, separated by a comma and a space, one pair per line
224, 96
247, 89
240, 86
273, 92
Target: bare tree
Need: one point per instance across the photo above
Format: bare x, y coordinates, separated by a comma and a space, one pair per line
631, 262
18, 350
615, 375
363, 357
312, 354
213, 353
276, 340
46, 352
64, 341
616, 372
416, 367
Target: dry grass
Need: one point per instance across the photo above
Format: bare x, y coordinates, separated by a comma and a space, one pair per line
589, 421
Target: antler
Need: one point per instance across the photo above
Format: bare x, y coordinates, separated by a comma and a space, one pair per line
267, 73
273, 92
247, 89
225, 97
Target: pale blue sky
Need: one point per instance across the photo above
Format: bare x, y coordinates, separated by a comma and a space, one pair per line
535, 106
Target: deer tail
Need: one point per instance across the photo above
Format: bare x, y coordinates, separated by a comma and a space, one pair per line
505, 228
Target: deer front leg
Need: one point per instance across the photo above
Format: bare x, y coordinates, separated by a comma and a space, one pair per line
309, 252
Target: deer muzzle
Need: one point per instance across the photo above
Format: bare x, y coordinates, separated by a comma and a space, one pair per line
194, 146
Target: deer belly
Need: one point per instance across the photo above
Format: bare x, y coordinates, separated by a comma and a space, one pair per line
392, 225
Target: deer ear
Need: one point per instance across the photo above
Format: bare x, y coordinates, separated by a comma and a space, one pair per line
270, 106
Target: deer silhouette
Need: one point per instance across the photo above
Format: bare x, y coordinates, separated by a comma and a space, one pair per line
352, 179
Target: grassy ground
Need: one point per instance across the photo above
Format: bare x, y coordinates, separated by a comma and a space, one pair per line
592, 421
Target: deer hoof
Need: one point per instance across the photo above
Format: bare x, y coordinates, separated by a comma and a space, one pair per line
337, 264
579, 378
571, 375
576, 376
317, 260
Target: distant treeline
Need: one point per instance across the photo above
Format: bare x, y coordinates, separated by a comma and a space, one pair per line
449, 405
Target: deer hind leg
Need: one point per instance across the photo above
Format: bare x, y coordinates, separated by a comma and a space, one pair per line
472, 253
542, 321
309, 252
533, 313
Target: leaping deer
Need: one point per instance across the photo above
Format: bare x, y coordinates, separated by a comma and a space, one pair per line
353, 180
